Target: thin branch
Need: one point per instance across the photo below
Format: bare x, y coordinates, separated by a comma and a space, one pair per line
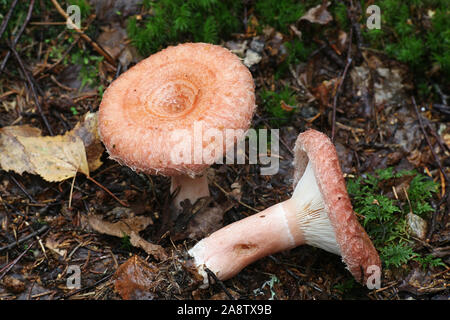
107, 191
339, 89
8, 267
33, 89
7, 17
88, 287
18, 35
94, 45
22, 188
436, 158
28, 237
212, 275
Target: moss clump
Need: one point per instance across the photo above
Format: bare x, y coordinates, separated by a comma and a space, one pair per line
173, 21
384, 216
414, 32
280, 105
279, 13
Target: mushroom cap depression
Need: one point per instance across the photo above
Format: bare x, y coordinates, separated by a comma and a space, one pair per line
149, 114
355, 246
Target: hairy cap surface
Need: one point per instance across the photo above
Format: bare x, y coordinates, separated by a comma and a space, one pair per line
150, 111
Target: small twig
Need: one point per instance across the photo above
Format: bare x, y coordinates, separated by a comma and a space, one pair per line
6, 269
212, 275
436, 158
18, 35
87, 288
7, 17
94, 45
71, 191
21, 187
233, 198
107, 191
28, 237
73, 44
51, 67
33, 89
341, 82
59, 84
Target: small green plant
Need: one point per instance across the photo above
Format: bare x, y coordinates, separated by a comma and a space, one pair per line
298, 51
89, 67
278, 104
345, 286
414, 32
429, 261
85, 7
384, 217
74, 111
125, 242
279, 13
269, 283
173, 21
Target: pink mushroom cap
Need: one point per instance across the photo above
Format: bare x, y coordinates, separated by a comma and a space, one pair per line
356, 248
169, 92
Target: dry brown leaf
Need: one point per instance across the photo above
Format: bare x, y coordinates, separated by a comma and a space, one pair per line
15, 158
120, 228
87, 130
53, 245
12, 284
319, 14
130, 227
57, 158
152, 249
134, 279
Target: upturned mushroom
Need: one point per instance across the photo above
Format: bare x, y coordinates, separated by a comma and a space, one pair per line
154, 117
319, 214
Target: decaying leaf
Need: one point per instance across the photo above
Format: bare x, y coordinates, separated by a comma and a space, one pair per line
53, 245
87, 130
319, 14
12, 284
421, 282
138, 279
12, 156
120, 228
134, 278
197, 220
152, 249
57, 158
129, 227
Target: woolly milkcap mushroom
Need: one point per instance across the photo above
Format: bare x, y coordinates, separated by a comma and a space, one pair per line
319, 214
148, 116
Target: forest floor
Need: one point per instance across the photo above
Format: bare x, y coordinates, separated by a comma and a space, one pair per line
362, 98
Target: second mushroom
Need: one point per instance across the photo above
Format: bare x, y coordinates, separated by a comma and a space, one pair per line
319, 214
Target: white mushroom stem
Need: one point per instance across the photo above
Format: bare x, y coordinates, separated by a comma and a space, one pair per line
300, 220
189, 188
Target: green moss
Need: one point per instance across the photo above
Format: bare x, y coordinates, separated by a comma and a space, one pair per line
89, 75
272, 102
299, 51
85, 7
407, 36
174, 21
384, 217
279, 13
